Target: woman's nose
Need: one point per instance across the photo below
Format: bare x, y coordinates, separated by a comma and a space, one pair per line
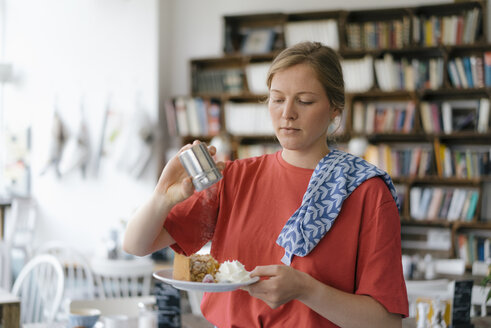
289, 112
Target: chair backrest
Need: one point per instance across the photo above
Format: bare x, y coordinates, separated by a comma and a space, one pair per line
40, 288
24, 216
479, 300
79, 281
5, 273
122, 278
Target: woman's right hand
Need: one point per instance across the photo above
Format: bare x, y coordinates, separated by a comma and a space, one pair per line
174, 182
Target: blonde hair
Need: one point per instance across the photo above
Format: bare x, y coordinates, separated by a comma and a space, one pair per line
323, 60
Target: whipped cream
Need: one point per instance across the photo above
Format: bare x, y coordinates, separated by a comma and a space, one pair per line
232, 271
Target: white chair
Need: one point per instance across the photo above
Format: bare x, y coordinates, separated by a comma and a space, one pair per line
21, 234
40, 288
79, 280
122, 278
5, 273
478, 300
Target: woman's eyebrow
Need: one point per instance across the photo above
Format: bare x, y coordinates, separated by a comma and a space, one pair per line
298, 93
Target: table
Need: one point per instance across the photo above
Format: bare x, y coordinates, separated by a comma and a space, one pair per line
4, 203
9, 310
479, 322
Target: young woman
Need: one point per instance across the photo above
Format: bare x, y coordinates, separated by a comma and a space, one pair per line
345, 271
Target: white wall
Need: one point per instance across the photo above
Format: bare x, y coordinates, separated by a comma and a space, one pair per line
197, 25
76, 49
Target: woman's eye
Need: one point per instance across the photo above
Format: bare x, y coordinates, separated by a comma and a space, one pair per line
277, 101
305, 102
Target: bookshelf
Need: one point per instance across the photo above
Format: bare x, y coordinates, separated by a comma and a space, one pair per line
422, 105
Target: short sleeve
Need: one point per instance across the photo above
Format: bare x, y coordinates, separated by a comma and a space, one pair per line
379, 267
192, 222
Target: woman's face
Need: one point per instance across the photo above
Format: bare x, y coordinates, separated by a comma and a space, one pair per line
299, 109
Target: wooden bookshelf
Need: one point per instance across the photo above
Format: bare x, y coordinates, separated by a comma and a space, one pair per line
405, 39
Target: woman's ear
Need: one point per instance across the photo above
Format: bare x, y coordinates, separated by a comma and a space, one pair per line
335, 112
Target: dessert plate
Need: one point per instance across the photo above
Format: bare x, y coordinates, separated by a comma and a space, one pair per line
165, 275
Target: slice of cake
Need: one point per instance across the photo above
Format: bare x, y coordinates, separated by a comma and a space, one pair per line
194, 267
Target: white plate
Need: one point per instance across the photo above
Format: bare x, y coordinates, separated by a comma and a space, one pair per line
166, 276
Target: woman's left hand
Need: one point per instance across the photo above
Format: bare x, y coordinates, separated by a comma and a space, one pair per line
282, 285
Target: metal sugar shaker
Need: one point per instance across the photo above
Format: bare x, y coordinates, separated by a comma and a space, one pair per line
200, 166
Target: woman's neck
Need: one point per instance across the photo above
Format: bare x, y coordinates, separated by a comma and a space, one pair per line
304, 159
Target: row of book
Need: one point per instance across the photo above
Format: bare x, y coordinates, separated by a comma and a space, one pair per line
391, 74
443, 203
408, 74
324, 31
256, 74
474, 246
468, 72
216, 81
448, 30
465, 162
192, 117
402, 160
393, 34
456, 115
401, 191
416, 74
424, 238
383, 117
358, 74
248, 119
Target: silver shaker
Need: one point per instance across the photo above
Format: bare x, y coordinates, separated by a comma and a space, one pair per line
200, 166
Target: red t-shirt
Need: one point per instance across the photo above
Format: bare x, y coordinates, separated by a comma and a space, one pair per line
243, 215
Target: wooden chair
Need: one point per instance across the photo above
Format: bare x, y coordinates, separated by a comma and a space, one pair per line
5, 273
40, 287
122, 278
79, 280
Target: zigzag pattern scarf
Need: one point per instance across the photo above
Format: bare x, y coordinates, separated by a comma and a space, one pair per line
333, 180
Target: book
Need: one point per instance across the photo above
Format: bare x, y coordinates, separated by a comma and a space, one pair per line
193, 118
462, 248
448, 170
461, 72
182, 120
472, 205
466, 205
415, 160
425, 202
213, 115
435, 204
455, 211
426, 117
409, 117
468, 71
370, 118
446, 203
447, 117
438, 157
415, 201
483, 116
170, 117
435, 118
487, 68
453, 74
479, 72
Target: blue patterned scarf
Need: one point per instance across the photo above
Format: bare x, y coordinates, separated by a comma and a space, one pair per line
333, 180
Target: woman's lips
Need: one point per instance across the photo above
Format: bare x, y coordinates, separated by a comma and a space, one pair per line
287, 130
